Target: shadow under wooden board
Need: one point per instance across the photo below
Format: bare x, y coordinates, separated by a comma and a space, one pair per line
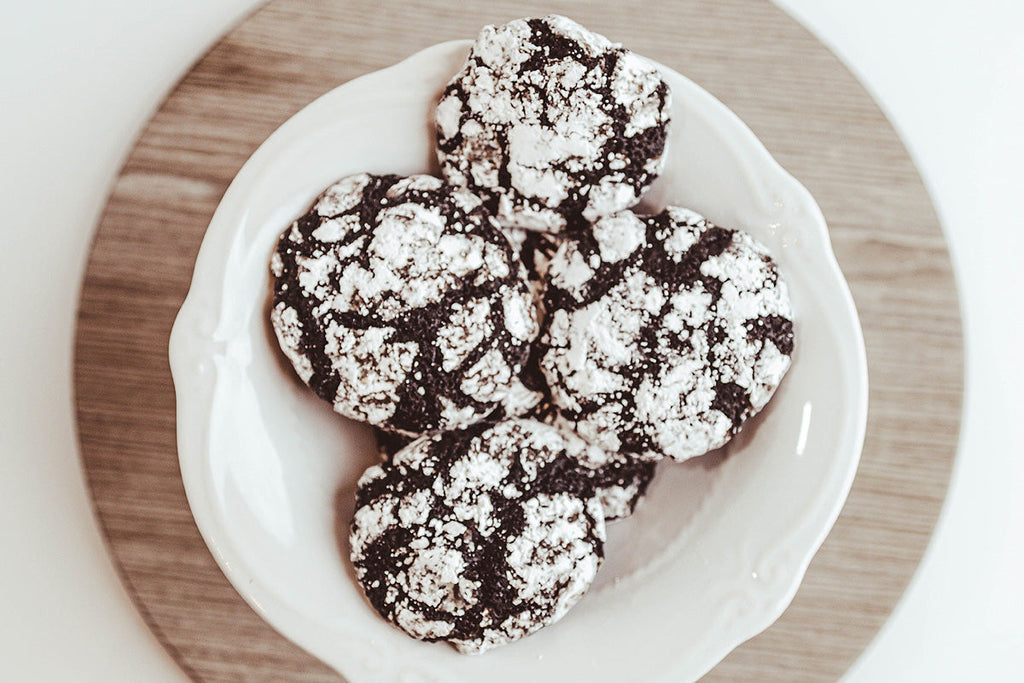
803, 104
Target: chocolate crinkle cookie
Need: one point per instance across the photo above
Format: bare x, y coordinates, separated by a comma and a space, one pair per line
478, 536
663, 333
399, 301
551, 123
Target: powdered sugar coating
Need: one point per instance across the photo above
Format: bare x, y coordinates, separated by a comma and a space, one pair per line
549, 122
618, 481
474, 536
665, 349
399, 300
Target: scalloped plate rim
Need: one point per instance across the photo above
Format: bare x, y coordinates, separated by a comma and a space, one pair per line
191, 377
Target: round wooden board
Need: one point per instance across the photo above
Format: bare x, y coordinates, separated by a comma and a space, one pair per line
803, 104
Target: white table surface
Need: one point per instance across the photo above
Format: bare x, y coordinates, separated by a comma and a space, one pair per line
79, 80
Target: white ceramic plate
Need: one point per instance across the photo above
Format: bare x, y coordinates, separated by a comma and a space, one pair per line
711, 558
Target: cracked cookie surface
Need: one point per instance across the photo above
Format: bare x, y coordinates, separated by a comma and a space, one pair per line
477, 537
663, 333
552, 124
398, 300
619, 481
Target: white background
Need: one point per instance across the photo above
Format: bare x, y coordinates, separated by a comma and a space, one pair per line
77, 82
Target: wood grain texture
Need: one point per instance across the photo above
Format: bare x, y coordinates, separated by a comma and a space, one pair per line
806, 107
